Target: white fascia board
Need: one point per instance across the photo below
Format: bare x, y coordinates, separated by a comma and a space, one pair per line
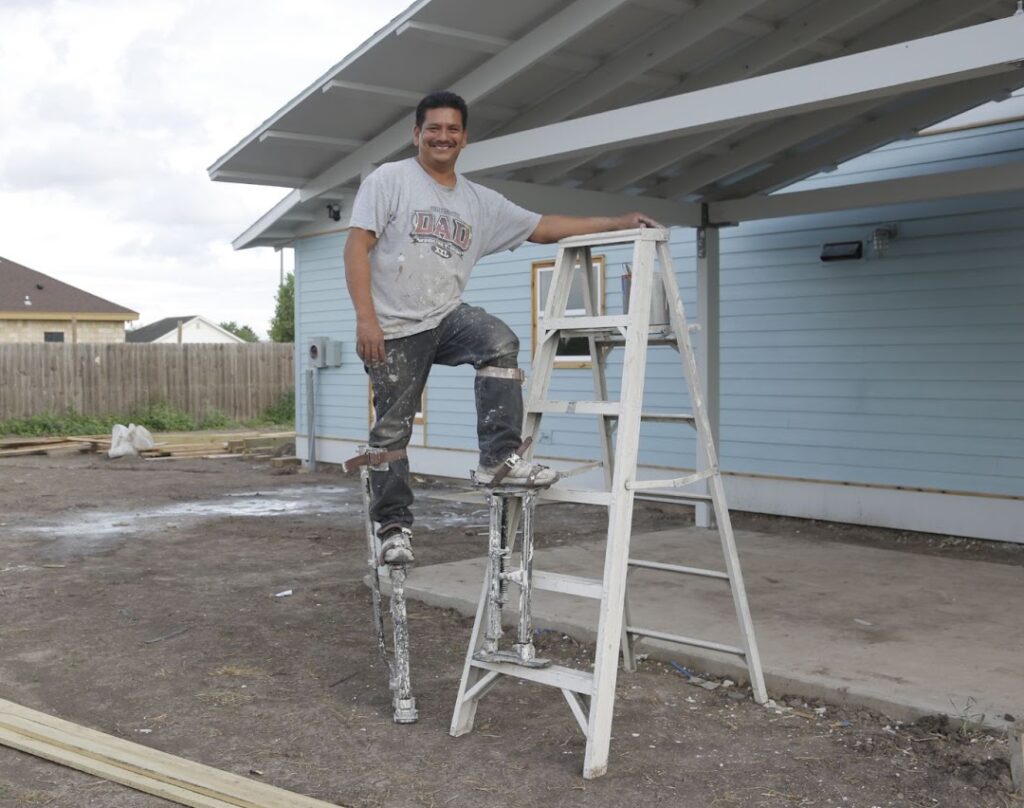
548, 199
939, 59
266, 221
543, 40
315, 87
923, 188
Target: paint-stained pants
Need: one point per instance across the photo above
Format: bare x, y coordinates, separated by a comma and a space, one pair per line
467, 336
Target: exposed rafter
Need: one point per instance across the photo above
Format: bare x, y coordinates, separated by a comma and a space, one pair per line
639, 56
932, 61
560, 28
923, 188
254, 178
342, 143
408, 98
760, 146
746, 25
481, 43
935, 107
929, 18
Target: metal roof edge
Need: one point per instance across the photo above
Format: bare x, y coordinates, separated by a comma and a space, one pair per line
315, 86
267, 220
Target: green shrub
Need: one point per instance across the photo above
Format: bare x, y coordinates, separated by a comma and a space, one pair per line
282, 411
162, 417
68, 422
214, 419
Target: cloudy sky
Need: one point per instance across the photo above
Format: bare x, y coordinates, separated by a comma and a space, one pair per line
110, 112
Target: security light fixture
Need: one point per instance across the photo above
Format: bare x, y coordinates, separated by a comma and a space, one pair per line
334, 211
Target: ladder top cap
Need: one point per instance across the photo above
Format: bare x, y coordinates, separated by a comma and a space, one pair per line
617, 237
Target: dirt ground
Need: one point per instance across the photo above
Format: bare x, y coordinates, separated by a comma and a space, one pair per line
138, 598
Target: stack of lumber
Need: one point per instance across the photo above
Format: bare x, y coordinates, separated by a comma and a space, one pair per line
136, 766
20, 447
178, 445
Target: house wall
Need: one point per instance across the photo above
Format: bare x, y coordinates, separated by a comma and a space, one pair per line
196, 331
883, 391
87, 330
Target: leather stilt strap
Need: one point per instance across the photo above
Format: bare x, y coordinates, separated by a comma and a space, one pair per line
373, 458
510, 462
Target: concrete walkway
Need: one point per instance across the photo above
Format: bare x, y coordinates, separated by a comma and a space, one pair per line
903, 633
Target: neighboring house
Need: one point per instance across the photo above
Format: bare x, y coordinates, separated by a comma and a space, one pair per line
178, 330
883, 390
38, 308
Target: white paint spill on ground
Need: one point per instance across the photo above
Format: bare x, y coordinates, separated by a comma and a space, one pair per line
97, 529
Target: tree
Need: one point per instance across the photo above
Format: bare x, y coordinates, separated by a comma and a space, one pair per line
282, 326
242, 331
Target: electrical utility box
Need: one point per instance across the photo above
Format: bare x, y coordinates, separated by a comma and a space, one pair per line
324, 352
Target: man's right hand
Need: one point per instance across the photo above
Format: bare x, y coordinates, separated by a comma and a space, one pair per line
370, 341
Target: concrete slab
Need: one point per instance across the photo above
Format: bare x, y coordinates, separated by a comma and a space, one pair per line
904, 633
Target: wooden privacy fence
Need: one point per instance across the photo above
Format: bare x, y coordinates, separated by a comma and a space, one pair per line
241, 381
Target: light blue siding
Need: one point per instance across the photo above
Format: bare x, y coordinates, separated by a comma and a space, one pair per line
901, 369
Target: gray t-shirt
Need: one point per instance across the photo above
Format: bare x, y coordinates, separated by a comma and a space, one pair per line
428, 239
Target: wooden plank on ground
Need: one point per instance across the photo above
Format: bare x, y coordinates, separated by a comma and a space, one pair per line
138, 766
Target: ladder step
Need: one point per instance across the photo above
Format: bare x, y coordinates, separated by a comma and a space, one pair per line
554, 676
676, 638
675, 482
658, 565
567, 584
581, 322
572, 407
616, 237
581, 496
669, 417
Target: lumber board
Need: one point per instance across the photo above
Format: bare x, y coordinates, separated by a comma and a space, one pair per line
107, 771
17, 443
141, 763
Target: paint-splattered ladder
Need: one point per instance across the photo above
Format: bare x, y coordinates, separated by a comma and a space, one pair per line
591, 696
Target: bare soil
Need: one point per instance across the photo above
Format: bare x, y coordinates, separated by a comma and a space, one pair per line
138, 598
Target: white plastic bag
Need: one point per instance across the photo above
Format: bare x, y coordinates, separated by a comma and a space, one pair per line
129, 440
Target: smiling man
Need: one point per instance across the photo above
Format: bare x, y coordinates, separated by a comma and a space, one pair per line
417, 230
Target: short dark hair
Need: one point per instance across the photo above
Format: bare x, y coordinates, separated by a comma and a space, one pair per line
442, 100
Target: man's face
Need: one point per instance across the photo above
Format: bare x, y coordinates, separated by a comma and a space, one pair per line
441, 138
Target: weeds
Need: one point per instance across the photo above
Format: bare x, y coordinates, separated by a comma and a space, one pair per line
158, 416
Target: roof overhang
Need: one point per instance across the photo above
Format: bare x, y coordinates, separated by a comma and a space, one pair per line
69, 316
719, 128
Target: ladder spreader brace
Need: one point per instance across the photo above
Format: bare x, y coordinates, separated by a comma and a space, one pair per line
591, 696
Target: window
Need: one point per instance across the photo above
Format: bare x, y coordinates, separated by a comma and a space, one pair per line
53, 336
573, 352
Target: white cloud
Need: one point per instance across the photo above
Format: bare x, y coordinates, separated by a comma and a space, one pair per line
112, 111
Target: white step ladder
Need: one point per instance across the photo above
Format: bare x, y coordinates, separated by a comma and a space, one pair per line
591, 696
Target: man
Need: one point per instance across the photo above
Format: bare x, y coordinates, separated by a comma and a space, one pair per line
417, 229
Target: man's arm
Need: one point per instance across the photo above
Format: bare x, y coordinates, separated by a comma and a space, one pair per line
369, 335
553, 228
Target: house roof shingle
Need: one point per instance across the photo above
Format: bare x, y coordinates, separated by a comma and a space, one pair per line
27, 290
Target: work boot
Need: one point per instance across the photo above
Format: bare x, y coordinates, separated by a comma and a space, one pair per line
395, 545
520, 473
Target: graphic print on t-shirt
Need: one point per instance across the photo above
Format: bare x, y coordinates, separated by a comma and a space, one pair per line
445, 232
